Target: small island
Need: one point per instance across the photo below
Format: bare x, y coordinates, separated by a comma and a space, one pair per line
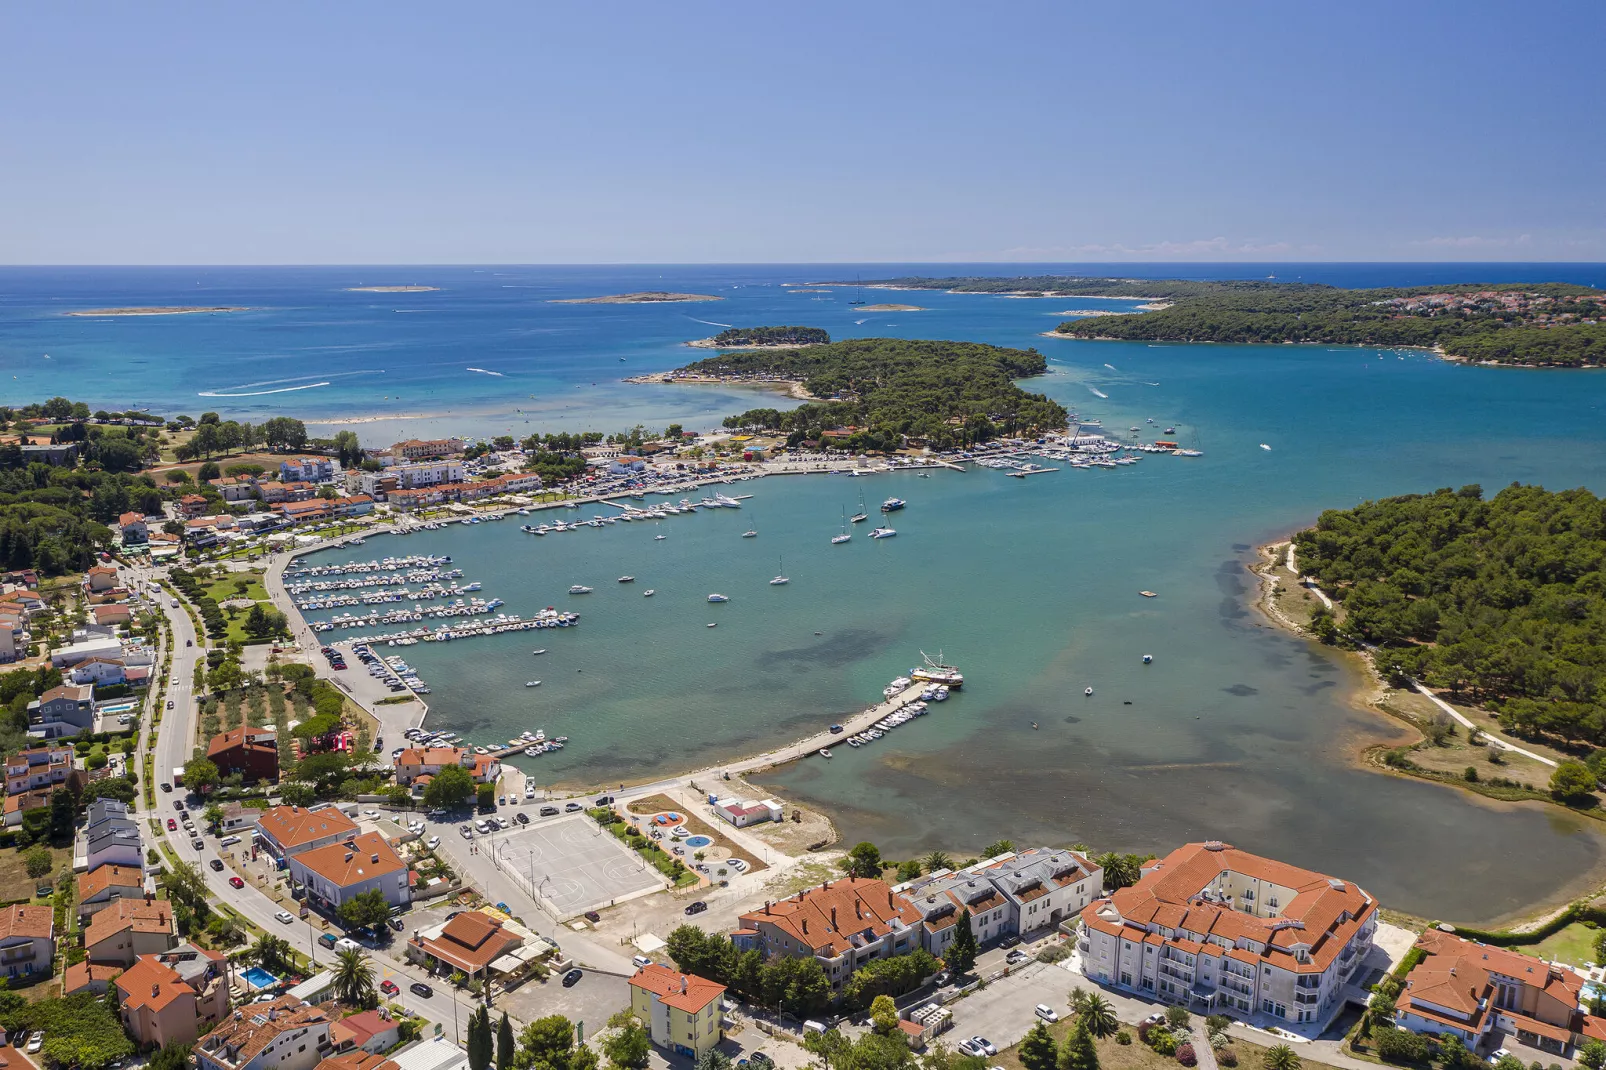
644, 297
890, 308
159, 310
878, 393
390, 289
764, 338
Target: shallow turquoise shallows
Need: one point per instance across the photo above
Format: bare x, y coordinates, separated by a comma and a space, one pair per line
1235, 731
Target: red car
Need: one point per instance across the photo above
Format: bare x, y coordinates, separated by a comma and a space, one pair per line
237, 882
172, 825
388, 988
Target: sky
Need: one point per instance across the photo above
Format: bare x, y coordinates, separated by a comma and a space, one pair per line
626, 132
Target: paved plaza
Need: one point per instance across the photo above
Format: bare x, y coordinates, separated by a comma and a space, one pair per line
573, 864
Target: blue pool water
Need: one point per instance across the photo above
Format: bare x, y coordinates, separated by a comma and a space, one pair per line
123, 707
257, 977
698, 841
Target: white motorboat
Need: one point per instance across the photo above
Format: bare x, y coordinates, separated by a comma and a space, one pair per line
719, 598
825, 752
532, 683
883, 533
578, 589
659, 538
1147, 658
627, 579
648, 593
1087, 691
541, 651
749, 534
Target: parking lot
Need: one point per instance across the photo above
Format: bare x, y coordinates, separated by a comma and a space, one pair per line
573, 864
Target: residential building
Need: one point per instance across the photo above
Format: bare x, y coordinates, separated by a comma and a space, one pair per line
88, 977
307, 511
112, 614
27, 940
470, 942
235, 488
251, 752
284, 1034
288, 830
169, 999
191, 506
129, 928
942, 902
744, 812
307, 469
356, 1059
38, 768
427, 474
100, 578
1044, 886
1214, 927
335, 873
99, 671
421, 449
63, 711
681, 1010
352, 505
132, 526
1474, 991
272, 492
111, 843
102, 887
19, 804
373, 484
372, 1031
437, 1053
416, 762
300, 491
843, 924
100, 646
55, 453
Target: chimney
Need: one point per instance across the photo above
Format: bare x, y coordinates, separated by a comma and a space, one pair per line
805, 926
826, 886
833, 917
858, 908
156, 990
375, 859
148, 898
683, 984
766, 906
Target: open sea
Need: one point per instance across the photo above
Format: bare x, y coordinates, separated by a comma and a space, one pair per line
1236, 731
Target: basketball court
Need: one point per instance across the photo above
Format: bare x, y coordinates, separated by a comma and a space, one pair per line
574, 864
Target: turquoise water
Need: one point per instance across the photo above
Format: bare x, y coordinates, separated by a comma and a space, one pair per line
1235, 731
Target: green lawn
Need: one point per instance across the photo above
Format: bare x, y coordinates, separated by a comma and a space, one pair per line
1573, 945
222, 589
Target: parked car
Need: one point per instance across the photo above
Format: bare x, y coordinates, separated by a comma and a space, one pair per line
1016, 957
604, 800
983, 1046
697, 907
433, 842
638, 961
522, 818
574, 808
36, 1041
1493, 1058
327, 940
1045, 1012
549, 811
968, 1047
398, 925
572, 978
172, 824
419, 988
593, 917
236, 882
283, 917
389, 987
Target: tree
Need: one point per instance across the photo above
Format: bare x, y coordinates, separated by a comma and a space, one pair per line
354, 979
1176, 1017
449, 788
831, 1046
480, 1038
485, 796
1572, 782
961, 954
172, 1057
1120, 871
63, 812
708, 955
883, 1015
863, 861
1037, 1049
37, 860
201, 775
185, 886
936, 860
365, 910
272, 953
548, 1044
507, 1045
1100, 1016
999, 847
213, 816
1078, 1052
713, 1059
294, 794
908, 871
629, 1047
1280, 1057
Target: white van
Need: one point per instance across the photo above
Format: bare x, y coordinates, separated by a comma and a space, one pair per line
811, 1026
345, 944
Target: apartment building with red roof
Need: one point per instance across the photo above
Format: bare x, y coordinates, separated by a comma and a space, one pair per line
1214, 927
681, 1010
1482, 993
163, 1003
252, 752
470, 942
284, 1034
335, 873
843, 924
289, 830
129, 928
27, 940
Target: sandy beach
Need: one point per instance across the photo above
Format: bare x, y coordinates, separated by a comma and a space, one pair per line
890, 308
792, 388
161, 310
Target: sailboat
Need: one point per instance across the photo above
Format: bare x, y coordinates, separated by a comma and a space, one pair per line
861, 515
780, 577
844, 537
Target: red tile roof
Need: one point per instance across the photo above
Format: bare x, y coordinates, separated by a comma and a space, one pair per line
860, 905
292, 826
353, 861
682, 991
24, 920
149, 983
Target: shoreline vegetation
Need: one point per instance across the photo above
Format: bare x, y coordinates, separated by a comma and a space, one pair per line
642, 297
1495, 606
793, 388
159, 310
390, 289
890, 308
764, 338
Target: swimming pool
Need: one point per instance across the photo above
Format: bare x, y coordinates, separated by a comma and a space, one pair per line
122, 707
257, 977
698, 841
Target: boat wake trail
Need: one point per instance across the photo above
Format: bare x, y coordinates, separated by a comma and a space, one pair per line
1112, 367
482, 371
711, 323
257, 393
1097, 392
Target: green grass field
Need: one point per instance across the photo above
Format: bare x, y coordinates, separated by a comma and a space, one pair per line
1574, 945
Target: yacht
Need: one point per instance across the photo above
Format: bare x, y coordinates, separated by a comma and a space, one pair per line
844, 537
780, 577
861, 516
719, 598
578, 589
883, 533
532, 683
892, 505
1148, 658
541, 651
627, 579
934, 671
648, 593
659, 538
749, 534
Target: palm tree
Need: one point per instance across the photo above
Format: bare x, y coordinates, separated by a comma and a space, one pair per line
354, 979
1281, 1057
999, 847
937, 860
272, 952
1099, 1016
1079, 998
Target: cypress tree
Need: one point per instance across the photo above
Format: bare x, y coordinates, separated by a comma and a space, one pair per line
506, 1046
1078, 1052
1038, 1050
961, 956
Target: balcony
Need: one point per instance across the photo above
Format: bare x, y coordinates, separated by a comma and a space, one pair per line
1232, 984
1183, 974
1307, 998
17, 954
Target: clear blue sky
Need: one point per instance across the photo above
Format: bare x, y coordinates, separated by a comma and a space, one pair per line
818, 131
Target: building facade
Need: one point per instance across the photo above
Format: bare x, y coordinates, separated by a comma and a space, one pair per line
284, 1034
335, 873
681, 1010
842, 924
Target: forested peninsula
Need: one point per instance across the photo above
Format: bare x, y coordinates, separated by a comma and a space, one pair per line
1532, 324
1068, 286
883, 389
1502, 600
